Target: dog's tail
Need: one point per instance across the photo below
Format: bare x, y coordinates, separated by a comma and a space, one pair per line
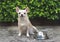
35, 29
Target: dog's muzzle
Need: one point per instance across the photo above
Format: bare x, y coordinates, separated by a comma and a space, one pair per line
21, 15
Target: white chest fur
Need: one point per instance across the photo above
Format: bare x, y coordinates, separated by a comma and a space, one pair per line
23, 24
23, 21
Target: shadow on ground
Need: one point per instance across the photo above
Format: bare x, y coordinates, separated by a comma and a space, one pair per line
9, 34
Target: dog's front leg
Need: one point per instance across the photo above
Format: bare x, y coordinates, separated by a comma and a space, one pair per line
27, 34
19, 34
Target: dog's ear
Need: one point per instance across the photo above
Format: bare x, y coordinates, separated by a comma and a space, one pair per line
27, 9
17, 9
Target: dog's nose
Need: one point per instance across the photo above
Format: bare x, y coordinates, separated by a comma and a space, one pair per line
21, 15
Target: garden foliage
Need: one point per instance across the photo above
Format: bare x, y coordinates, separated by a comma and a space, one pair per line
49, 9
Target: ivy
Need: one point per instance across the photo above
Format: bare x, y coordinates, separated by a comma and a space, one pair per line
49, 9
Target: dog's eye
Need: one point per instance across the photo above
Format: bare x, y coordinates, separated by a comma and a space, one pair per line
24, 13
19, 12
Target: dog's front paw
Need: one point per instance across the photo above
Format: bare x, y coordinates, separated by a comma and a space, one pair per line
19, 34
28, 35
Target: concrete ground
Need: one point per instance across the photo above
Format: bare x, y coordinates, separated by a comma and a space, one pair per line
9, 34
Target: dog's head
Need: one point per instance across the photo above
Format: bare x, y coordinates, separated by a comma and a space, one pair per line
22, 13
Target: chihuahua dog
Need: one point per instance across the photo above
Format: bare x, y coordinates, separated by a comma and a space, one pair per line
24, 25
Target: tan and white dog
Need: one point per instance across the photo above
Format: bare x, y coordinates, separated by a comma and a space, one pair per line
24, 25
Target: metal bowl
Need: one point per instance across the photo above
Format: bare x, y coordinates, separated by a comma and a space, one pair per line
41, 35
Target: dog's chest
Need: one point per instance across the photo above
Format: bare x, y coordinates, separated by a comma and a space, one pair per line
23, 22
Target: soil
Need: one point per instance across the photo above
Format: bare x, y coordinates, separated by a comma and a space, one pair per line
10, 34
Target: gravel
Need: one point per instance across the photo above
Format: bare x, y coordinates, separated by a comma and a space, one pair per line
10, 34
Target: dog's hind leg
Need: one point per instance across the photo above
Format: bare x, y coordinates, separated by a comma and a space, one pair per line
35, 28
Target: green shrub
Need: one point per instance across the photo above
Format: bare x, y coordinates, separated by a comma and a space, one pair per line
49, 9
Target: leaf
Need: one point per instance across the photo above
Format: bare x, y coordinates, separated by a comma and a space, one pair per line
49, 9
